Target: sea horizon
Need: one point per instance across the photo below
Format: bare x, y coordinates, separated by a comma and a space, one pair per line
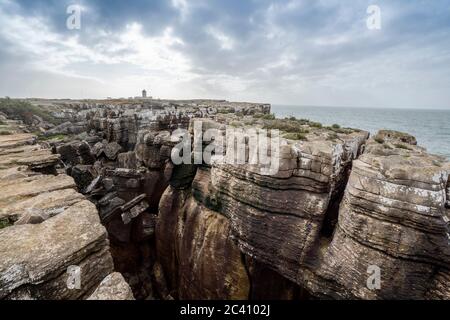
358, 107
431, 127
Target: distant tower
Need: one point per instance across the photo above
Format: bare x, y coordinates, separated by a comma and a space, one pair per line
144, 93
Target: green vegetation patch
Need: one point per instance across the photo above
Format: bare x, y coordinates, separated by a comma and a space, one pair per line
332, 136
379, 140
337, 128
289, 126
315, 124
295, 136
268, 117
5, 223
402, 146
23, 110
224, 111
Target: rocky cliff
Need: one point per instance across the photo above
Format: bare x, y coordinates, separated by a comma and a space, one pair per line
46, 227
340, 206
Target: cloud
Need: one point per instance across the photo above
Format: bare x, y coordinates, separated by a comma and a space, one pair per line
224, 41
293, 52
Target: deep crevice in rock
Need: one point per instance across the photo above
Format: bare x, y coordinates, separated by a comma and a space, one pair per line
332, 214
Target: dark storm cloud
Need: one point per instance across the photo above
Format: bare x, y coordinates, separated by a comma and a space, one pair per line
284, 50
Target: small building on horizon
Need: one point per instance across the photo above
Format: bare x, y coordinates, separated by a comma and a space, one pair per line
143, 96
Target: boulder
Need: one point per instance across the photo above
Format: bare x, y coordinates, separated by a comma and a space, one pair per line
133, 208
391, 135
40, 207
113, 287
66, 128
112, 149
74, 153
83, 175
74, 237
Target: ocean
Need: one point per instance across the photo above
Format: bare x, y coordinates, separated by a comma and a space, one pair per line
430, 127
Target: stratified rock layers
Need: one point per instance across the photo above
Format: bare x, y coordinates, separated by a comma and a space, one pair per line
392, 216
340, 207
198, 255
35, 258
46, 227
274, 219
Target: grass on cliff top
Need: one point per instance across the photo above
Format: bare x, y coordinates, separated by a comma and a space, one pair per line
23, 110
295, 136
285, 125
296, 129
402, 146
5, 223
378, 140
263, 116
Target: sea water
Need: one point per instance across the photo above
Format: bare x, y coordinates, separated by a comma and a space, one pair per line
430, 127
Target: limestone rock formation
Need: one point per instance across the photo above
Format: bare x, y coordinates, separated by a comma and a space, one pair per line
46, 227
66, 128
35, 257
274, 219
113, 287
197, 252
340, 207
391, 216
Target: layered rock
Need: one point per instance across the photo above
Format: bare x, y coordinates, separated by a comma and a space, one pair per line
46, 227
392, 216
339, 207
123, 165
274, 219
35, 258
198, 256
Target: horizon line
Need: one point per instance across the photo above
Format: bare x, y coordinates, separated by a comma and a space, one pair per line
242, 101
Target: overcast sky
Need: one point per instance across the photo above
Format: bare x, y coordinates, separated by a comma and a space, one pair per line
299, 52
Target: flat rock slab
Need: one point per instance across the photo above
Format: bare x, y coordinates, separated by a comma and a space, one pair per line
51, 236
21, 189
36, 254
39, 161
21, 150
45, 205
16, 140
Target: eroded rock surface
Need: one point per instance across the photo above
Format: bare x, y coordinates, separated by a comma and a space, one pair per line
392, 216
340, 206
113, 287
46, 227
